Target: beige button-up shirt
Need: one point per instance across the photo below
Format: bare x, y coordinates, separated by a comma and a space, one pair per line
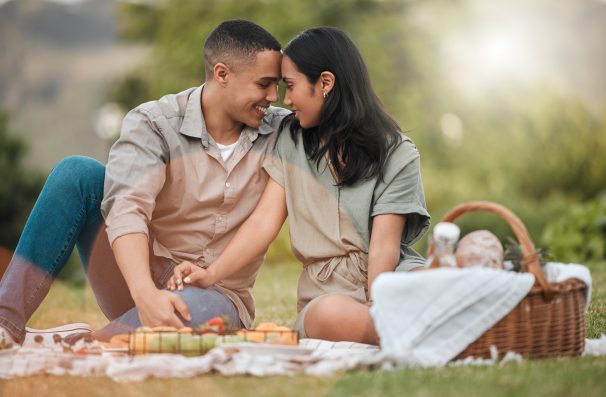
165, 177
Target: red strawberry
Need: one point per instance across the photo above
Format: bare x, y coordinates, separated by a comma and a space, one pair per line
215, 324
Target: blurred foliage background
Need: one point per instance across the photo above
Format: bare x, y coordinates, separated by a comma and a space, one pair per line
470, 81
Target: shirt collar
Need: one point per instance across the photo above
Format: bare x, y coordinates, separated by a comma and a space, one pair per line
194, 125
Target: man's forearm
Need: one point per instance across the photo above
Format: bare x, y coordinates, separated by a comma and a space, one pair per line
132, 255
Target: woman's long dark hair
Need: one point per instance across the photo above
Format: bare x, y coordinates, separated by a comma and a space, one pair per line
354, 129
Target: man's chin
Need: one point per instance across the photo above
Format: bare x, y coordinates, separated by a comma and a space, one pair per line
253, 123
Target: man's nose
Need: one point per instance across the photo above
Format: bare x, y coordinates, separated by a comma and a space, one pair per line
273, 95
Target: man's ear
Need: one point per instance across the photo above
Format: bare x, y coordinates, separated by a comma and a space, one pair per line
327, 82
221, 73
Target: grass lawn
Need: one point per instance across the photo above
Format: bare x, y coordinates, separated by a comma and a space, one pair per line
275, 292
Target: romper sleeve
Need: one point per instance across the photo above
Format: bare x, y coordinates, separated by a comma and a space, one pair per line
401, 192
135, 174
273, 163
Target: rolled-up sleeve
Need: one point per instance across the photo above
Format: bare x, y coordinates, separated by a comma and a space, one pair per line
135, 174
401, 192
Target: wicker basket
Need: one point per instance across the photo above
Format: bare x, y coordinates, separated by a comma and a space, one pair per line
548, 322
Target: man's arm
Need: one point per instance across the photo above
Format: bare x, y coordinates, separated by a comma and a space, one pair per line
156, 307
134, 176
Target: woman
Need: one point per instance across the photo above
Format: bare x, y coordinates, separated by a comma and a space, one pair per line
350, 183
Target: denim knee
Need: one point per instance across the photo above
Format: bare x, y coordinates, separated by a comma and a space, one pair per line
206, 303
80, 174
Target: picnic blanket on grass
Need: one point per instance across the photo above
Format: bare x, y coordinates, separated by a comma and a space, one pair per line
424, 320
326, 358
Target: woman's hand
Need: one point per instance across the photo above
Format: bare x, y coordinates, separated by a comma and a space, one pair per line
188, 273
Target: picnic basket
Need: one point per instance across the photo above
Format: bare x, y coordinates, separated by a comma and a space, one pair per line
549, 321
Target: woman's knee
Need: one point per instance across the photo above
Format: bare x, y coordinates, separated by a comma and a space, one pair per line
326, 309
331, 310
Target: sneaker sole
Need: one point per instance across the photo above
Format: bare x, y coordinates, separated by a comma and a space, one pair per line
67, 328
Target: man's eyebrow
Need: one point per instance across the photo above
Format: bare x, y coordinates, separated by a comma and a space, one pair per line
268, 79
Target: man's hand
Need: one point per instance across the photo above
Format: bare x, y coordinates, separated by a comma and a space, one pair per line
159, 308
188, 273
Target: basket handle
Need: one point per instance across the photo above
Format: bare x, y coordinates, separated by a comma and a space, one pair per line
530, 260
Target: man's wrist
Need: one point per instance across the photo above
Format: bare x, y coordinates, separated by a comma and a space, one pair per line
143, 289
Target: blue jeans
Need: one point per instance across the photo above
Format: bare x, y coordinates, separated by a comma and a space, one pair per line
67, 214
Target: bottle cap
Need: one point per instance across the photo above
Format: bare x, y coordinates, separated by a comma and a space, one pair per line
446, 231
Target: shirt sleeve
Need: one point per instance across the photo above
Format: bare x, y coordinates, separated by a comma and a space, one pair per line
135, 174
401, 192
273, 162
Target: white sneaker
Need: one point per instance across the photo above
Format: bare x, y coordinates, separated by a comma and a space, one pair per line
6, 340
46, 337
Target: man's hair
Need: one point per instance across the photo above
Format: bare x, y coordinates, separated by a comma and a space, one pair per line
236, 40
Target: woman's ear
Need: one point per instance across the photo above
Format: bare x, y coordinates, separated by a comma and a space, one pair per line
221, 73
327, 82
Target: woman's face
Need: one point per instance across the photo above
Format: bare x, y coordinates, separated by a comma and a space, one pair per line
303, 98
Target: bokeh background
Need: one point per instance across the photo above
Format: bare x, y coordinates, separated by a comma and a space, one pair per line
506, 101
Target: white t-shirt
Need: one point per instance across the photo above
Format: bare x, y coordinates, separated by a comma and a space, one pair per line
226, 150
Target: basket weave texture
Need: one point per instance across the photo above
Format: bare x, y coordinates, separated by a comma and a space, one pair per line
548, 322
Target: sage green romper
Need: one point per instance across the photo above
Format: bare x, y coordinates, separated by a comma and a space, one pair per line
330, 226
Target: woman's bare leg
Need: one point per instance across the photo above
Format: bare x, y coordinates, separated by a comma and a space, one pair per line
340, 318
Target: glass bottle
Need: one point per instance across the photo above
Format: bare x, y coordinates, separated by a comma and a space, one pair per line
445, 236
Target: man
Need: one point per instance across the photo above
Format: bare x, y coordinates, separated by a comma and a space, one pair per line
184, 174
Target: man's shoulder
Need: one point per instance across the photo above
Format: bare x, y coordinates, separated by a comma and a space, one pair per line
168, 106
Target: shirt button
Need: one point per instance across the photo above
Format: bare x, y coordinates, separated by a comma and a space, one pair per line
227, 184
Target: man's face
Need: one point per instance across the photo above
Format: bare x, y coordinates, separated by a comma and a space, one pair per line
253, 87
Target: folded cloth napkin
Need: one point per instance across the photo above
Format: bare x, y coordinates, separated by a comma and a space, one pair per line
559, 272
427, 318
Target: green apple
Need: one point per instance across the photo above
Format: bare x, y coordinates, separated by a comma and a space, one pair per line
164, 342
190, 345
209, 341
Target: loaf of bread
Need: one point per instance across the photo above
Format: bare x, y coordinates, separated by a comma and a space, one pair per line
480, 248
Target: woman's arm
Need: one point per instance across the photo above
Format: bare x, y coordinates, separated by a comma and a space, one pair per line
384, 249
251, 240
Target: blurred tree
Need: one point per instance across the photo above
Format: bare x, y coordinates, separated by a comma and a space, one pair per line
19, 186
18, 190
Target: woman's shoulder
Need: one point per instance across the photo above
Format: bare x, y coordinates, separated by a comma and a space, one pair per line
403, 152
287, 142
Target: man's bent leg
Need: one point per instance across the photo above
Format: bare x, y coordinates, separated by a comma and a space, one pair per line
104, 275
60, 217
203, 305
